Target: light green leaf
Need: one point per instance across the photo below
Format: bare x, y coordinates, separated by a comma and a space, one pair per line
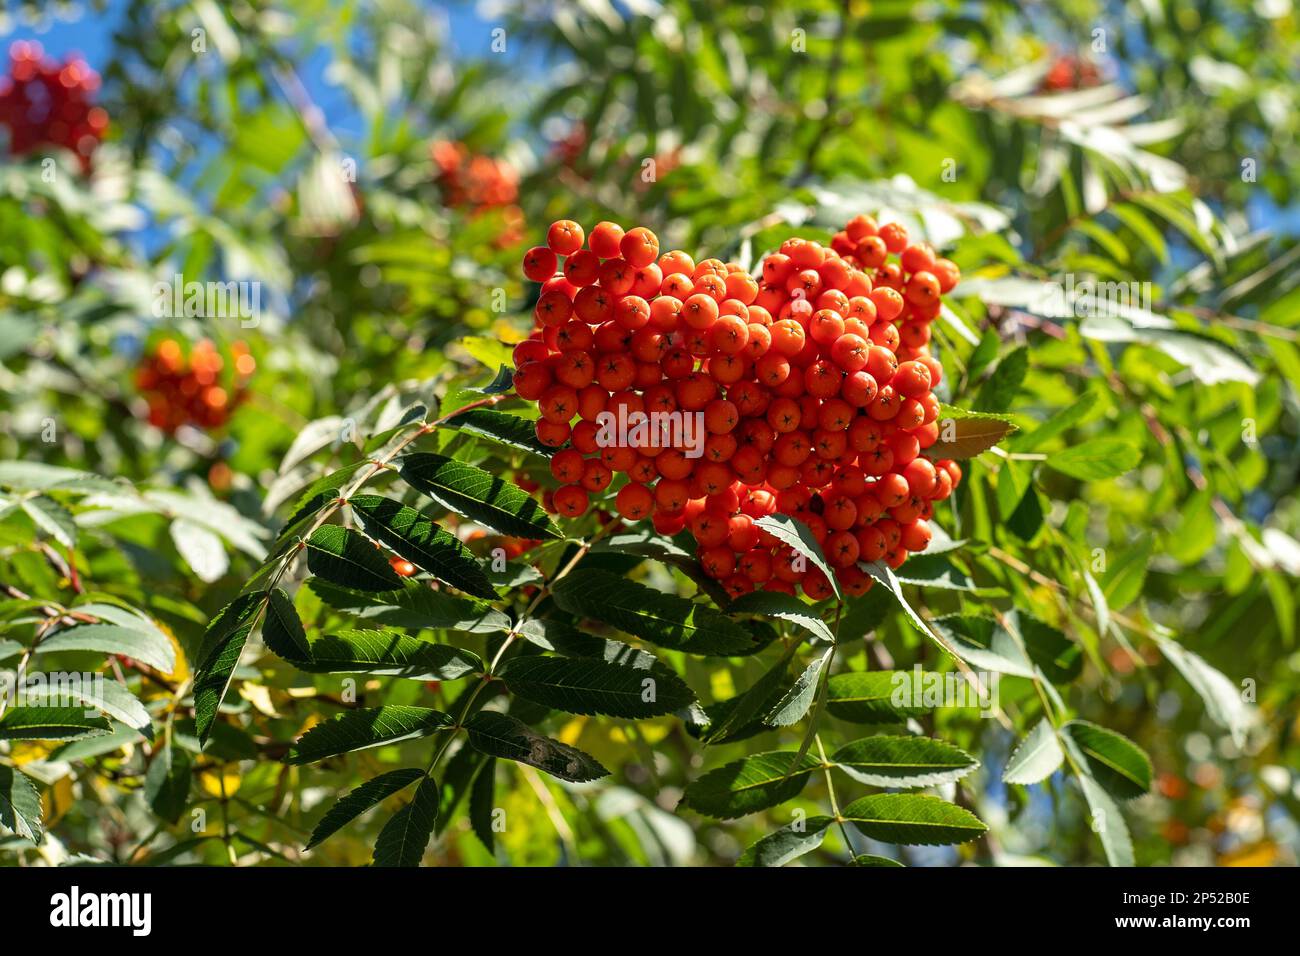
52, 518
148, 647
1096, 460
201, 548
50, 723
791, 708
100, 692
1057, 425
1037, 758
1223, 699
964, 434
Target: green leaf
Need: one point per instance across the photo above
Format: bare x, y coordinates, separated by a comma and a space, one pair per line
936, 571
663, 619
785, 607
482, 795
1222, 698
788, 843
201, 548
1096, 460
167, 782
590, 686
871, 697
52, 518
1106, 819
647, 543
477, 495
884, 575
750, 784
499, 735
423, 543
964, 434
887, 761
344, 557
1108, 823
100, 691
866, 859
1058, 424
222, 645
1147, 234
1000, 388
20, 804
1018, 648
358, 801
1122, 582
913, 819
282, 630
752, 704
50, 723
502, 427
791, 708
984, 643
37, 476
415, 606
388, 654
366, 728
1118, 764
1037, 758
794, 533
405, 837
148, 647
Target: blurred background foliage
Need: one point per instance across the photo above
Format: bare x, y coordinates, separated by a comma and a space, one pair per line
378, 168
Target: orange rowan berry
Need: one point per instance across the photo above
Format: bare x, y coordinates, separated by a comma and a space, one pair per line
564, 237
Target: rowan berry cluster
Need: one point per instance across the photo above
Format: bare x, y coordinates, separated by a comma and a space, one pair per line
1070, 72
186, 389
479, 183
812, 379
46, 103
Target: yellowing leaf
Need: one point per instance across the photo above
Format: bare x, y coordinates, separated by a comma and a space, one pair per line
57, 800
259, 696
211, 781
